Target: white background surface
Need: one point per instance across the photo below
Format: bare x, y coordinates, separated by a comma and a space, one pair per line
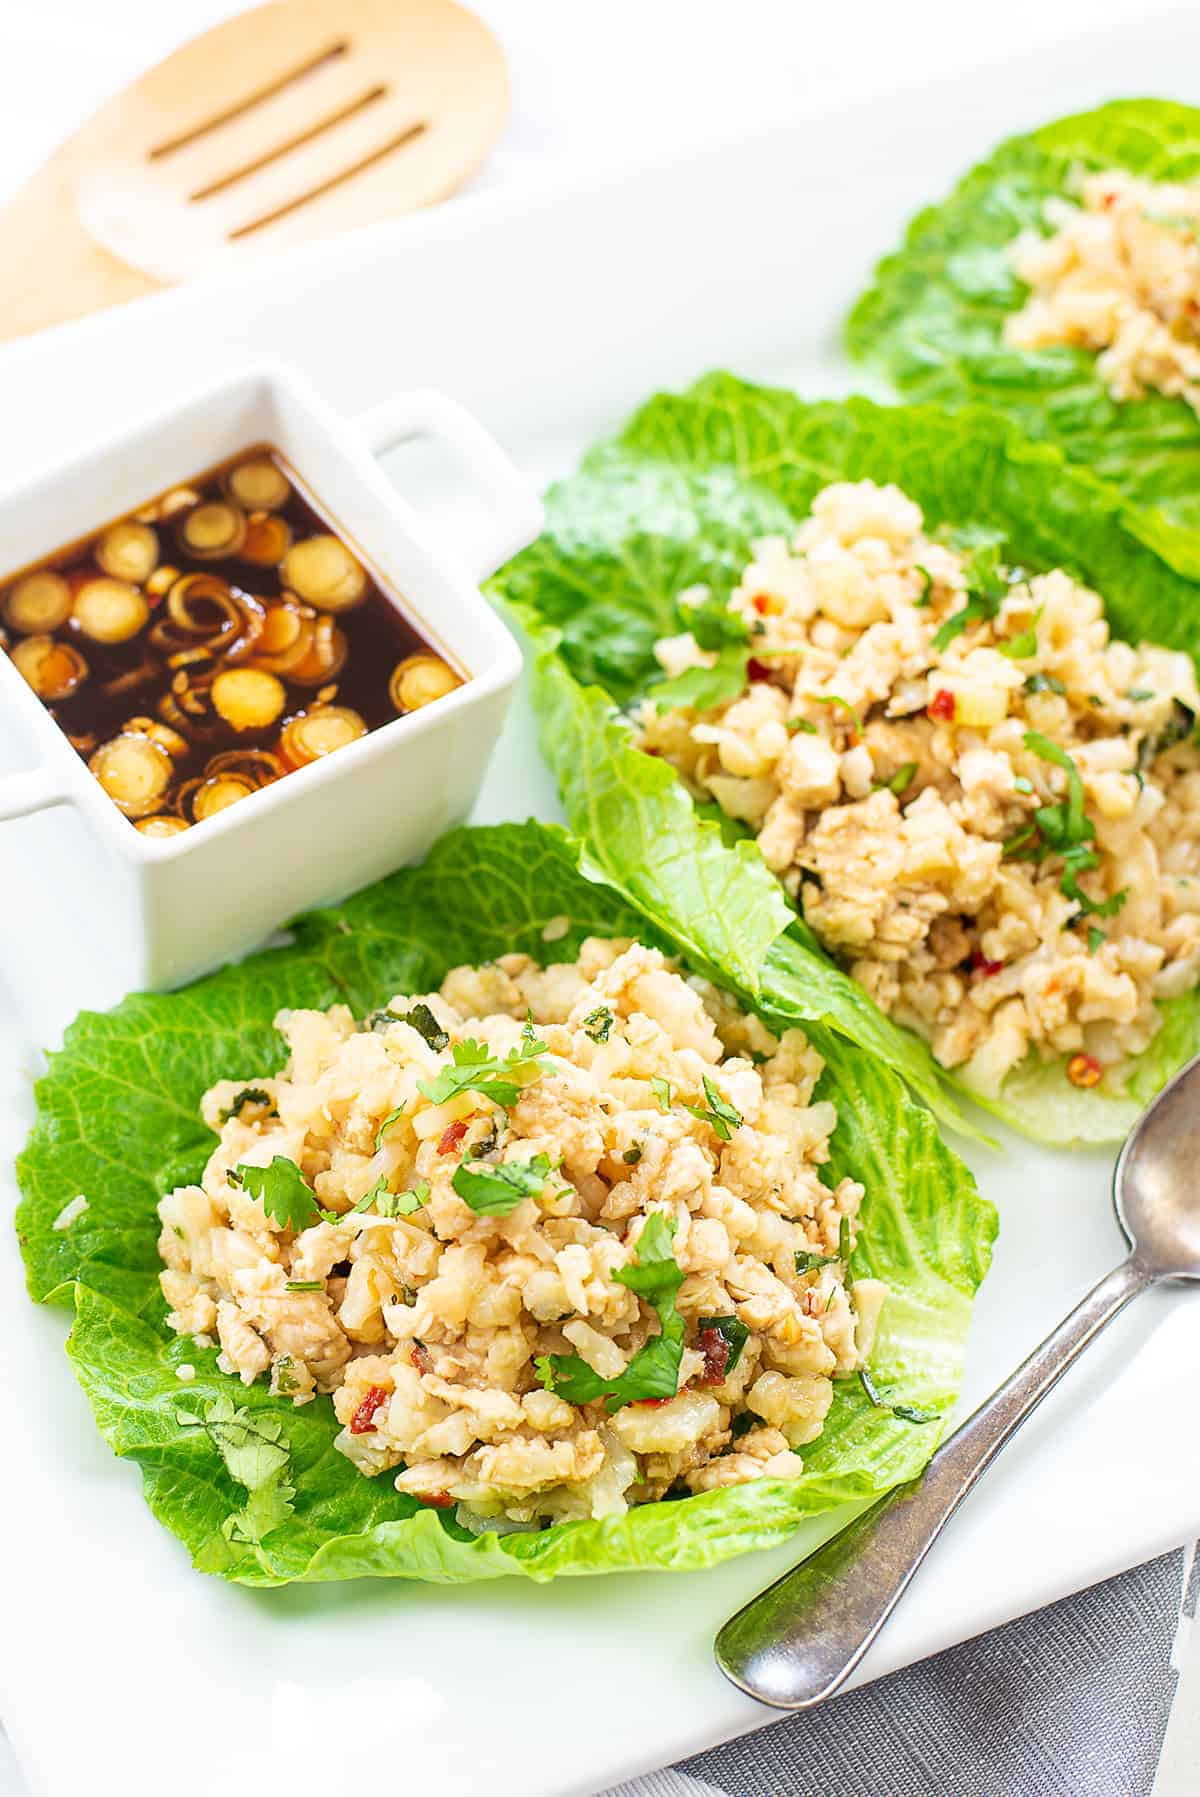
595, 85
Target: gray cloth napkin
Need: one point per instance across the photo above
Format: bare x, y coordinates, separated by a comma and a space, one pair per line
1072, 1701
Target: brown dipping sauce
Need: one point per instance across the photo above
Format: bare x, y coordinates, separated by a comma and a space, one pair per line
213, 641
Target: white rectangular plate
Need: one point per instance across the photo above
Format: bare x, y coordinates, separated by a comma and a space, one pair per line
552, 317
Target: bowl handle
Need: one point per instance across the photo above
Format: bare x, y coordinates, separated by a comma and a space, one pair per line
510, 503
21, 794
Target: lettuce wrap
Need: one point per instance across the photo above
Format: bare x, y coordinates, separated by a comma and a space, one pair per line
676, 500
253, 1486
933, 321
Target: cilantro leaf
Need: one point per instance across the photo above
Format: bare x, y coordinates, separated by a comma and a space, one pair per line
986, 587
808, 1260
255, 1451
662, 1091
721, 1116
495, 1190
702, 689
598, 1024
248, 1095
474, 1069
712, 623
732, 1331
1043, 683
842, 705
281, 1190
1021, 646
386, 1125
900, 781
905, 1412
654, 1370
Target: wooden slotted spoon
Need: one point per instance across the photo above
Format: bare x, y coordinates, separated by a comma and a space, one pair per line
290, 122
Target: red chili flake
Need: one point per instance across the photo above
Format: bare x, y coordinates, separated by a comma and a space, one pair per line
441, 1500
1109, 200
362, 1422
942, 705
981, 964
757, 670
421, 1358
649, 1403
452, 1135
761, 604
1083, 1070
715, 1349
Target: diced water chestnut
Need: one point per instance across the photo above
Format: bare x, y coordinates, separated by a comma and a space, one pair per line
39, 602
110, 611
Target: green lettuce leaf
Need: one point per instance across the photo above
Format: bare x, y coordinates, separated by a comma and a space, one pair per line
934, 319
674, 503
255, 1488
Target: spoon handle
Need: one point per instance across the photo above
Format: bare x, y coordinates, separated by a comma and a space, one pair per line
797, 1642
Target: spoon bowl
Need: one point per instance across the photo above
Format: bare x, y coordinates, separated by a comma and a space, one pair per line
797, 1642
1156, 1182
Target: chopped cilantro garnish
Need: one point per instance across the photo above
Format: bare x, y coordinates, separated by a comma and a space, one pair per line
662, 1091
654, 1370
281, 1190
796, 725
721, 1116
1095, 939
633, 1155
418, 1017
842, 705
248, 1095
808, 1260
1066, 830
495, 1190
712, 623
900, 781
1138, 695
905, 1412
386, 1125
1043, 683
392, 1204
1021, 784
701, 689
927, 588
474, 1069
1021, 646
733, 1332
598, 1024
986, 588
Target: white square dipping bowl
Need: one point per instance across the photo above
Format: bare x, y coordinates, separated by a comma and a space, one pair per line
163, 910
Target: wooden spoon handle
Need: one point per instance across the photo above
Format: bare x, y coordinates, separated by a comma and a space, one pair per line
50, 269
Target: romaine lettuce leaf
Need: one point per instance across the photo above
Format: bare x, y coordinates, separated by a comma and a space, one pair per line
933, 320
675, 502
253, 1487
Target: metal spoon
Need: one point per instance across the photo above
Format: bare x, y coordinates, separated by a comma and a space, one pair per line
797, 1642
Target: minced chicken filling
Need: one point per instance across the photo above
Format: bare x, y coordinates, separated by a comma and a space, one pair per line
1119, 274
985, 806
555, 1239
